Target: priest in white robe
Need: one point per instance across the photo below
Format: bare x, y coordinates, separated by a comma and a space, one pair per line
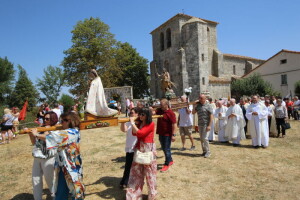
257, 114
234, 130
271, 118
212, 135
96, 103
220, 115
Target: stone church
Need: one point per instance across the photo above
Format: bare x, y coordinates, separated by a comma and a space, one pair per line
186, 47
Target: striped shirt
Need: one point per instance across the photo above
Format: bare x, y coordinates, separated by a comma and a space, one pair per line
280, 112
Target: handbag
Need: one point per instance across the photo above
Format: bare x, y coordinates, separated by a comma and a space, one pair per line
287, 125
143, 158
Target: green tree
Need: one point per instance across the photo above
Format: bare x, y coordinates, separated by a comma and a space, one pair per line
297, 88
67, 102
134, 70
23, 90
51, 83
7, 74
93, 48
251, 85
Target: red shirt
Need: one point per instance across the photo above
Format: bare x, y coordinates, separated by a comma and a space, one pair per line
145, 134
164, 124
289, 105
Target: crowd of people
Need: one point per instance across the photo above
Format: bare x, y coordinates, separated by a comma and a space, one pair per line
9, 125
255, 117
57, 153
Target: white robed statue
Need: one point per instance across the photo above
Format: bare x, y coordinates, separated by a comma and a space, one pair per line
235, 123
257, 114
220, 114
96, 103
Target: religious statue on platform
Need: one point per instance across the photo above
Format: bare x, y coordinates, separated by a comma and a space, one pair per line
165, 80
96, 103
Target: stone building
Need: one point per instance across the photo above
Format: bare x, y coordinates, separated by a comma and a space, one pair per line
123, 93
186, 47
282, 70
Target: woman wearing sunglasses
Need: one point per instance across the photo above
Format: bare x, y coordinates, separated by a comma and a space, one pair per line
44, 159
145, 143
68, 164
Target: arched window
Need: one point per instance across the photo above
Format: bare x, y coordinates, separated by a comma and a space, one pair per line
162, 40
203, 81
233, 70
169, 41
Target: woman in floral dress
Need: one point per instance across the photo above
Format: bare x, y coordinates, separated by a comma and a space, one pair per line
68, 164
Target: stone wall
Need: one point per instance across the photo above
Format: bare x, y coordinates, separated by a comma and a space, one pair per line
124, 92
242, 65
168, 58
219, 90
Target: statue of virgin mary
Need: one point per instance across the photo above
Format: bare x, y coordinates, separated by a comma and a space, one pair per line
96, 103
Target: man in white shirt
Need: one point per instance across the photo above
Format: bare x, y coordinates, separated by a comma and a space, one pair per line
57, 111
61, 107
185, 123
275, 104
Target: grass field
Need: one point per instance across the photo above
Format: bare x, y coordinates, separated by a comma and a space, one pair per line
230, 173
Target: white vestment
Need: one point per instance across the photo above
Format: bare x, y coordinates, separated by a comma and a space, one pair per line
211, 136
221, 123
273, 130
235, 125
258, 124
96, 103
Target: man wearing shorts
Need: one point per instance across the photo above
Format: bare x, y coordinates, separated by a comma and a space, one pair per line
185, 123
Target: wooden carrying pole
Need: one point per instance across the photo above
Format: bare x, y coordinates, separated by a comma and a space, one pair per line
41, 129
59, 127
179, 105
123, 120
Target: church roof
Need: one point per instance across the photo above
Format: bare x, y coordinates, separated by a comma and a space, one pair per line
183, 16
283, 50
241, 57
214, 79
195, 19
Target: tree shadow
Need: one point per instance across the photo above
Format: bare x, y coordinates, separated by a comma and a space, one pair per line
180, 153
119, 159
22, 196
230, 144
28, 196
112, 192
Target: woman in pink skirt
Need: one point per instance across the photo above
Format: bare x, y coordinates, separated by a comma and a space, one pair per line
145, 135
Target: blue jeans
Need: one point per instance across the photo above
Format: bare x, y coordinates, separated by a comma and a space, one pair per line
165, 142
62, 191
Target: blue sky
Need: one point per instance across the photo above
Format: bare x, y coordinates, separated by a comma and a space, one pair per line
34, 33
